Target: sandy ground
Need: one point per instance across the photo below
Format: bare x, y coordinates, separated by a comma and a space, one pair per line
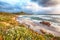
36, 26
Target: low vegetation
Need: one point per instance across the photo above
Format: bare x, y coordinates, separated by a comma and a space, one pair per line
10, 29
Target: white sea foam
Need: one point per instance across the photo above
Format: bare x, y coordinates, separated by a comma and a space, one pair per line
36, 26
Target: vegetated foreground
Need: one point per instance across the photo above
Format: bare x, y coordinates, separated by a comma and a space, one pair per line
10, 29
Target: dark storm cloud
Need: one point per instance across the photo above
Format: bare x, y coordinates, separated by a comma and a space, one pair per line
47, 2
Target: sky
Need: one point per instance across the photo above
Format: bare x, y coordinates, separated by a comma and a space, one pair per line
31, 6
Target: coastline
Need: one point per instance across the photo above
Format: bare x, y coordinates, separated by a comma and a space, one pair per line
37, 26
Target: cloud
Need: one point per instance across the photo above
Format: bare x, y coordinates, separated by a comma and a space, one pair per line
12, 5
30, 6
47, 2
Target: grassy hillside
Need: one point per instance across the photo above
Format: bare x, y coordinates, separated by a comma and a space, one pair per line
18, 13
10, 29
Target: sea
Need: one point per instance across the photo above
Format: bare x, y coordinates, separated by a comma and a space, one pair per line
54, 19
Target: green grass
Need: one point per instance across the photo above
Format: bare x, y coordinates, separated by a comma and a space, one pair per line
21, 33
17, 31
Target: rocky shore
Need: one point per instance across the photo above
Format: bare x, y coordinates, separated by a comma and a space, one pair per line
38, 27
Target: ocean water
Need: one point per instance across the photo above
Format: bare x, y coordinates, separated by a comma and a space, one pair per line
33, 22
54, 19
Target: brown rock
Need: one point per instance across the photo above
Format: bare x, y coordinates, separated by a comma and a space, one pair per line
45, 23
43, 31
54, 38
